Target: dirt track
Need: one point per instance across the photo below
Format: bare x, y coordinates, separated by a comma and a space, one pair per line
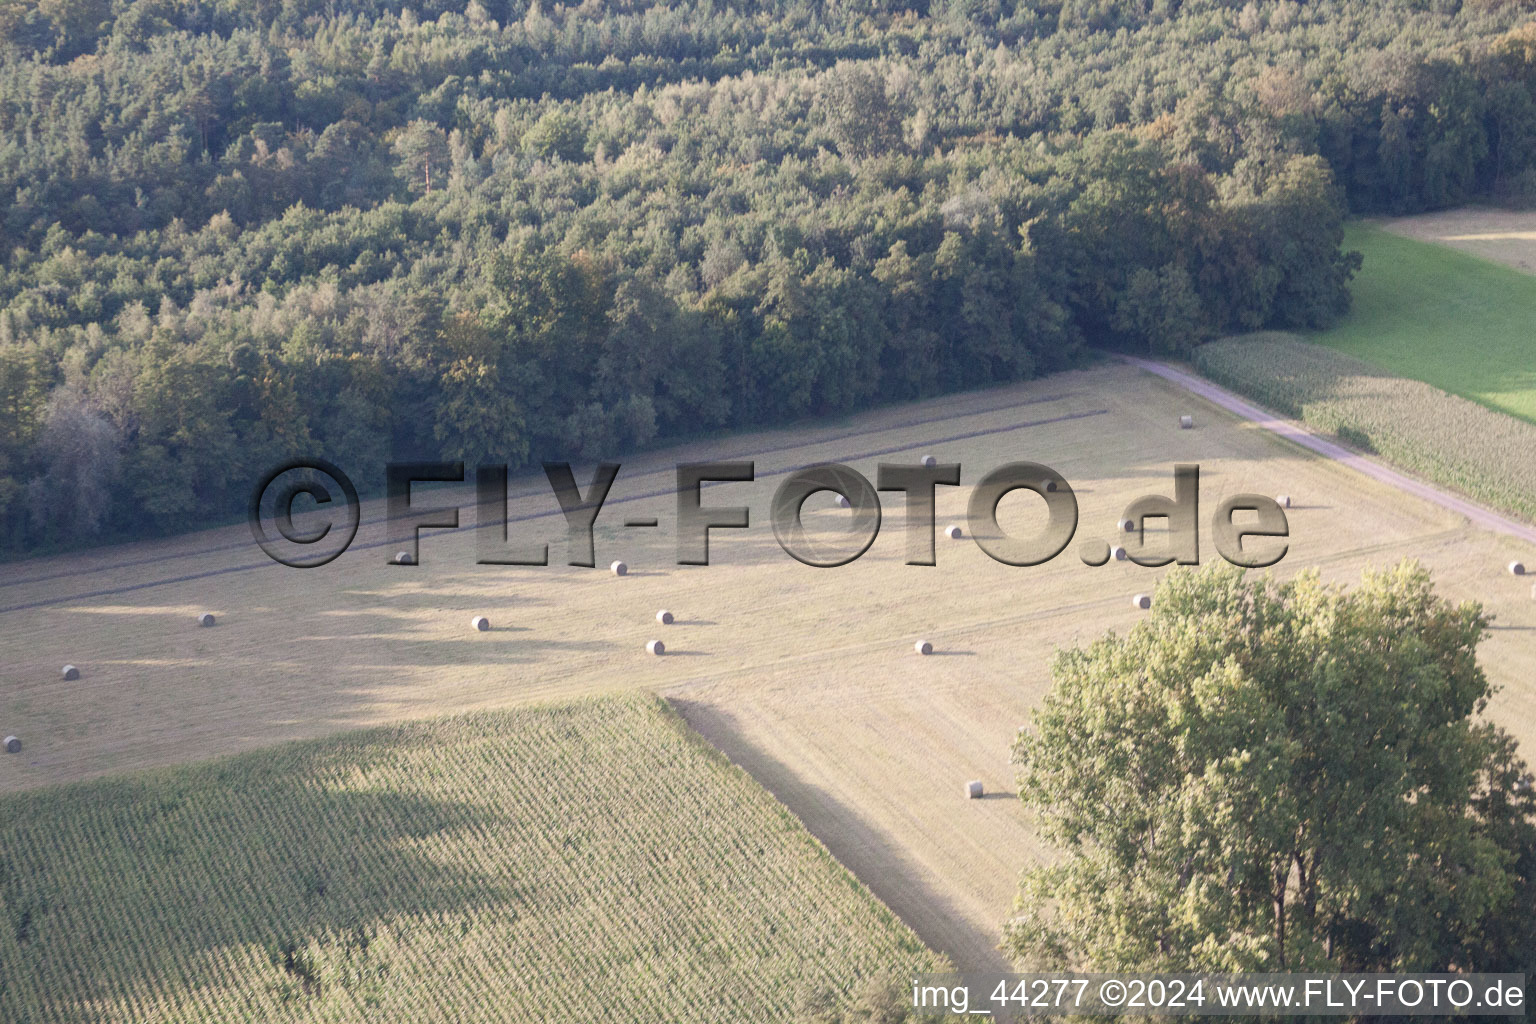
1291, 431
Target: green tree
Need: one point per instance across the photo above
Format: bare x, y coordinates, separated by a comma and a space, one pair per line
187, 452
1162, 307
24, 382
478, 419
1300, 219
557, 134
76, 23
1279, 776
422, 148
548, 316
860, 117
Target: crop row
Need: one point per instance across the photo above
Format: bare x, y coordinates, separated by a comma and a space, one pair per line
590, 861
1449, 440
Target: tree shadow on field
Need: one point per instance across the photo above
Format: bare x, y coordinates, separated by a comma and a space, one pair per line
464, 598
516, 645
276, 849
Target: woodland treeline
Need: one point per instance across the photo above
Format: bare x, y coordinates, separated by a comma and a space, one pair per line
238, 231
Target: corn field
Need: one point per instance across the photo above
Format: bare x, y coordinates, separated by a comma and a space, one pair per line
1451, 441
588, 861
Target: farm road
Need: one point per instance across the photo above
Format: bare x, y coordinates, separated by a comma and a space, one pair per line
1291, 431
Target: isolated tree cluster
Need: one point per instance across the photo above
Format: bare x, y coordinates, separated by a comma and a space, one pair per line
1270, 776
235, 232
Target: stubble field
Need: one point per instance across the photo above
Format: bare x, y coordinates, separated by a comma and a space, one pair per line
1504, 236
804, 676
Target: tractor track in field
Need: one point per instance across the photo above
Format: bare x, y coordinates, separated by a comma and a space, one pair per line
531, 490
1219, 396
548, 513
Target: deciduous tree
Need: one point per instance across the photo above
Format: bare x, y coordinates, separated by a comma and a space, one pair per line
1279, 776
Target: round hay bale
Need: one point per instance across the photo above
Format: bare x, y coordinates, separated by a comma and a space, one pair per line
656, 647
404, 558
1517, 568
206, 619
71, 673
1128, 525
1119, 554
1049, 486
1142, 601
843, 502
664, 617
1186, 422
12, 745
929, 461
481, 623
974, 790
619, 569
1284, 501
923, 647
953, 532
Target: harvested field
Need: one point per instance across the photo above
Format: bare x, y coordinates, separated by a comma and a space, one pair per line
1504, 236
804, 676
509, 866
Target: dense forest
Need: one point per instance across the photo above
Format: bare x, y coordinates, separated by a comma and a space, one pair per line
235, 230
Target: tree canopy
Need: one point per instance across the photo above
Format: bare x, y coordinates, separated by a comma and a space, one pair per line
1282, 777
234, 232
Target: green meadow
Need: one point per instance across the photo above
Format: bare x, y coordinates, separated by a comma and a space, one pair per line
1455, 321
